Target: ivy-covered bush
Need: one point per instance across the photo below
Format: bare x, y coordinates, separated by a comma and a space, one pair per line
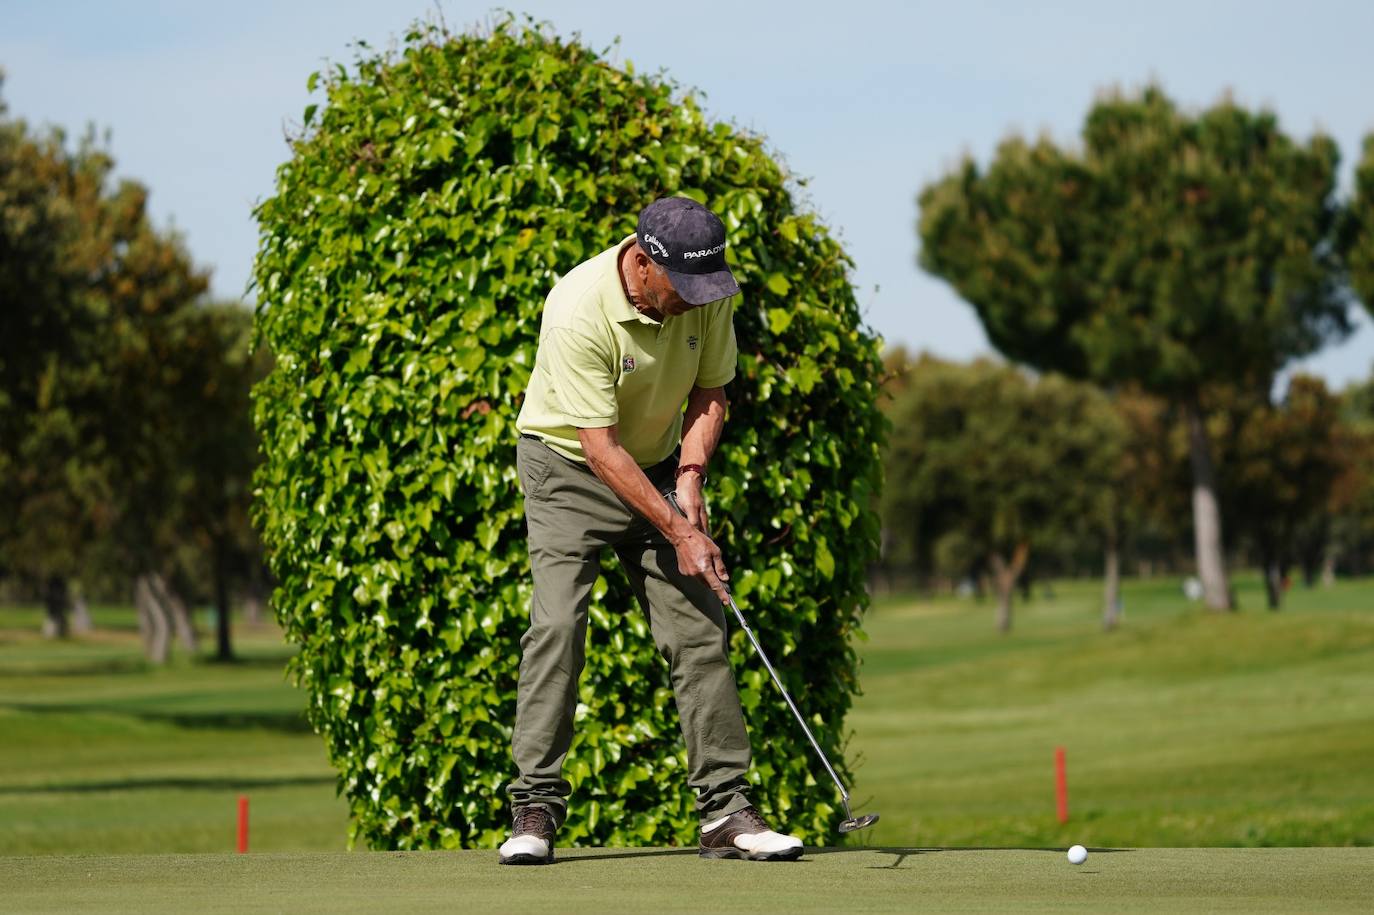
433, 198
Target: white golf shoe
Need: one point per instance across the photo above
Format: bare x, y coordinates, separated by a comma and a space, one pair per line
746, 835
531, 840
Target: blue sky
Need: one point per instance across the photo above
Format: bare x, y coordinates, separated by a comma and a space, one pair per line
867, 100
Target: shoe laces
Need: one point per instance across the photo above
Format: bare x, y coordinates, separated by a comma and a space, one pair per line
751, 816
533, 821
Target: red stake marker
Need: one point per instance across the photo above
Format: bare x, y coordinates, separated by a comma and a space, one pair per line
1061, 785
243, 824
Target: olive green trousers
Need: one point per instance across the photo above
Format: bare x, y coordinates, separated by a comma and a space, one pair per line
572, 516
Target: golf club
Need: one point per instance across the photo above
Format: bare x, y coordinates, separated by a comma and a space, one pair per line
851, 822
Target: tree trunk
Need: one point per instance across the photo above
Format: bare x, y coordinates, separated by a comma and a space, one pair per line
255, 599
1273, 581
176, 611
81, 613
153, 625
57, 603
1111, 587
1211, 565
1329, 570
1004, 575
224, 651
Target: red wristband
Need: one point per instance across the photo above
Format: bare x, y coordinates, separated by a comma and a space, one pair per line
690, 467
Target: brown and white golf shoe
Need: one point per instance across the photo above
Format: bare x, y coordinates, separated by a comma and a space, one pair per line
531, 838
746, 835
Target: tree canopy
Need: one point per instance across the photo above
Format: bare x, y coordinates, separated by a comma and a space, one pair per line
110, 365
986, 465
1171, 250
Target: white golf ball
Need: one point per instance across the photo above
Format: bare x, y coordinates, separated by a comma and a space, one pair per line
1078, 854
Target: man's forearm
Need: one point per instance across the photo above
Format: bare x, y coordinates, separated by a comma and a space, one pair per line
701, 427
618, 470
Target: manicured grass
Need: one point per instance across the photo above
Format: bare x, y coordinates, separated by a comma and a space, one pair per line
104, 754
1182, 728
673, 880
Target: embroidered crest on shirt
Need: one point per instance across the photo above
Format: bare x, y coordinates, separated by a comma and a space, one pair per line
691, 342
627, 364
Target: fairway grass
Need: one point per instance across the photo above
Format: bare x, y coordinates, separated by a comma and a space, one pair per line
101, 753
597, 880
1184, 728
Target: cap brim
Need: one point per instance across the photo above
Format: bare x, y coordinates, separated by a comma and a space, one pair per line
703, 288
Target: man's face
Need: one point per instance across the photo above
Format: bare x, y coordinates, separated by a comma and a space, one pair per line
659, 293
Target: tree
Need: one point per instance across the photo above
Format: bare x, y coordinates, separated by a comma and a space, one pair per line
1352, 499
986, 466
221, 446
1358, 234
1285, 459
99, 334
435, 197
55, 485
1172, 251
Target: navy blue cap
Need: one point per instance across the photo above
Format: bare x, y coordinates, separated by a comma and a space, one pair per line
688, 241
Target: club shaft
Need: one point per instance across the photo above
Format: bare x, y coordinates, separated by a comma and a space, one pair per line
790, 704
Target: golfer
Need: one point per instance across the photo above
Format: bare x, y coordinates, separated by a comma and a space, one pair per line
627, 337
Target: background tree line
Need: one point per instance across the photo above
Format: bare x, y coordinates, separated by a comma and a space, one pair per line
1150, 283
1175, 263
996, 476
126, 445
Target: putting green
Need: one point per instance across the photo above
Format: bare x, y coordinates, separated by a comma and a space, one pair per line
676, 880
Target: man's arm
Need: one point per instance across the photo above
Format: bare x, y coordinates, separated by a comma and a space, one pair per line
701, 430
696, 554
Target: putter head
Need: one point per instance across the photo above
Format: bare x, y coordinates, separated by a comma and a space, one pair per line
862, 822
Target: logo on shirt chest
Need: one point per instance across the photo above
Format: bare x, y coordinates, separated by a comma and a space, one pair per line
627, 365
691, 342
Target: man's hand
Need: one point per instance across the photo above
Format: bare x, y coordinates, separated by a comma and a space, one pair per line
698, 555
692, 501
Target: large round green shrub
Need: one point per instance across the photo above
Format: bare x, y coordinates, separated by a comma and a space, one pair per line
431, 202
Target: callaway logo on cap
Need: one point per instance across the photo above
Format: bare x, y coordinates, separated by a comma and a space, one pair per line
688, 241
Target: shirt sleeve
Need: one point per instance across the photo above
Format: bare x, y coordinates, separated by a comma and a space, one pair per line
719, 351
583, 378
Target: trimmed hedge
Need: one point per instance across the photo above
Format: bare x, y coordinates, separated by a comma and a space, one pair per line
429, 205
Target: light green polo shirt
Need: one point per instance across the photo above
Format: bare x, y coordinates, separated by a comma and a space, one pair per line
602, 363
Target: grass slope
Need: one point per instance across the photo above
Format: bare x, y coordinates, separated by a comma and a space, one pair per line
671, 880
1184, 728
102, 754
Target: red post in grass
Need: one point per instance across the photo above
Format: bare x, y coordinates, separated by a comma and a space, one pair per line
243, 824
1061, 785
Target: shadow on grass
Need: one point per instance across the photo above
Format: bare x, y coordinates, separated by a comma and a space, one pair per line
212, 783
280, 722
248, 662
628, 853
901, 853
931, 849
101, 667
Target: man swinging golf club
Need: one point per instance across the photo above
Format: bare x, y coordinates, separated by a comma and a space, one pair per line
626, 338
